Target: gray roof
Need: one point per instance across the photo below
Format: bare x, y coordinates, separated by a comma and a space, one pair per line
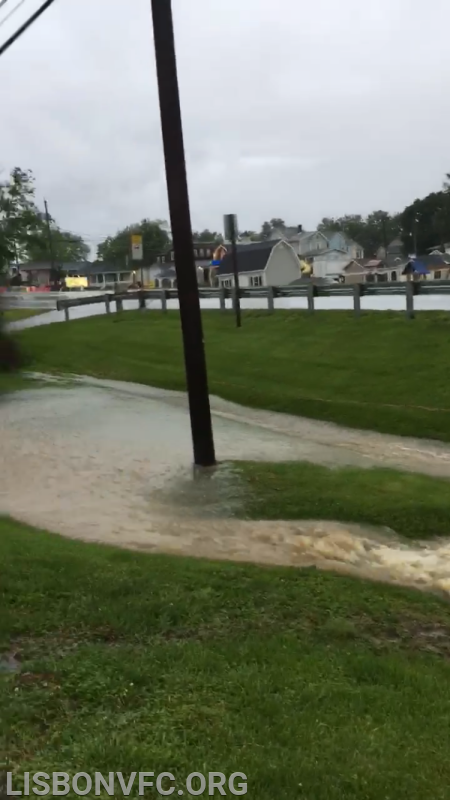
250, 257
35, 266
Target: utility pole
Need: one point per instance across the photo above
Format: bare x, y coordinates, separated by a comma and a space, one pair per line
415, 234
385, 243
177, 189
50, 242
230, 227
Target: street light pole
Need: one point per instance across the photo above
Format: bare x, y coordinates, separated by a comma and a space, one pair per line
50, 242
177, 189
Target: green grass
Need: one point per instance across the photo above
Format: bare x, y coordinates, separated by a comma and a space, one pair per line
13, 314
15, 382
415, 506
380, 372
313, 685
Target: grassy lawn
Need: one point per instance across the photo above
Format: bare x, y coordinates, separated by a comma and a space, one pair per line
381, 372
415, 506
313, 685
13, 314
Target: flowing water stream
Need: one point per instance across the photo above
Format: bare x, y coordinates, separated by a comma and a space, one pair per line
111, 462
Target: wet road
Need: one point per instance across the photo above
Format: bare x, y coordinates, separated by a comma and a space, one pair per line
370, 303
111, 462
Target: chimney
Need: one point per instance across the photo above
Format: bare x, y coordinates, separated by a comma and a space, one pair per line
299, 228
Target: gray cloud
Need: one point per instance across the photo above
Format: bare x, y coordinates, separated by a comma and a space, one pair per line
290, 109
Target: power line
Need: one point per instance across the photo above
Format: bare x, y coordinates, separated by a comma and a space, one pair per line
13, 11
4, 47
2, 3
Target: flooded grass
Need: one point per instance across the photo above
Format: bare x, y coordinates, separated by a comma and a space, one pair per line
414, 506
311, 684
374, 372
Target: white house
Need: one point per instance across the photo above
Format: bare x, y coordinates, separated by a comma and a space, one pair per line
329, 264
266, 263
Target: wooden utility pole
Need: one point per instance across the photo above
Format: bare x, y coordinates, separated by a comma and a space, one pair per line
180, 218
50, 243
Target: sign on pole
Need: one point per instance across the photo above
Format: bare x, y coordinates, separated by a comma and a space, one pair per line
137, 250
230, 226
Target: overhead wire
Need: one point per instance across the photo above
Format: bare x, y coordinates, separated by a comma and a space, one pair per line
13, 11
29, 22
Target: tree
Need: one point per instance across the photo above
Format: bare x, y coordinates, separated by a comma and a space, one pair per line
249, 235
117, 249
371, 232
277, 223
67, 247
266, 231
20, 218
426, 222
207, 236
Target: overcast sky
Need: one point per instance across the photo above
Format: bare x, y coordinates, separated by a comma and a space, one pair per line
291, 109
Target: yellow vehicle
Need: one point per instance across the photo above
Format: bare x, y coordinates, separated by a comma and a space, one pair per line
75, 282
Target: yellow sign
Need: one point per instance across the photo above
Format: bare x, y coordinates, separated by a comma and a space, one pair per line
137, 250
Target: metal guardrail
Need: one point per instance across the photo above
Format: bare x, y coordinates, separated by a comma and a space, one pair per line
310, 290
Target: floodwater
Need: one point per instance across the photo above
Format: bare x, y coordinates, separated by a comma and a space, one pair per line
111, 462
368, 303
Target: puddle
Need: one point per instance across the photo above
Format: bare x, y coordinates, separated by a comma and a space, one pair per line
111, 462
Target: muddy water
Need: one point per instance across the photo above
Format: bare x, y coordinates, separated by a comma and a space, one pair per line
111, 462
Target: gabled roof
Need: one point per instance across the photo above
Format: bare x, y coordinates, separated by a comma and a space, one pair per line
250, 257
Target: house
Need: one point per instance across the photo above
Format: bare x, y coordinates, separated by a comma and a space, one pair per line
393, 253
101, 274
371, 270
204, 254
431, 267
267, 263
38, 273
328, 252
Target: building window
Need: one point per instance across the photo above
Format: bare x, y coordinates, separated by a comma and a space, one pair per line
381, 277
100, 278
196, 253
171, 255
156, 283
394, 276
111, 277
201, 252
227, 283
256, 280
437, 275
359, 254
124, 276
159, 259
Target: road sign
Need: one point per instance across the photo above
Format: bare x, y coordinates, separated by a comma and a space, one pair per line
137, 250
230, 225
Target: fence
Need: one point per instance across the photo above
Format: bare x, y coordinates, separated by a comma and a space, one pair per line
409, 289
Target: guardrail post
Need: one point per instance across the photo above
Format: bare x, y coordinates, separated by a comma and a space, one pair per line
163, 301
119, 304
66, 313
409, 288
357, 299
310, 297
222, 302
270, 299
141, 299
107, 304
